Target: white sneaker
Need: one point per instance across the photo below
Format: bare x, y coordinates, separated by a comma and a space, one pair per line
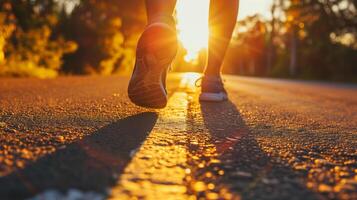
212, 89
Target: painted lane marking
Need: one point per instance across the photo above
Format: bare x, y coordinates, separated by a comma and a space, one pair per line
157, 170
165, 166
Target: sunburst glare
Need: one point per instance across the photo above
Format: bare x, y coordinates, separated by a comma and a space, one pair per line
192, 19
193, 26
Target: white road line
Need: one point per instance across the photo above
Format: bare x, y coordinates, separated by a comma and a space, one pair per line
157, 170
162, 166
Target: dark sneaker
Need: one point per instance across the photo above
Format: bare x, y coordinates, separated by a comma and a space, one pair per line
212, 89
156, 49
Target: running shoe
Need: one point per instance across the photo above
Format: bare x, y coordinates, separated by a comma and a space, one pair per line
156, 50
212, 89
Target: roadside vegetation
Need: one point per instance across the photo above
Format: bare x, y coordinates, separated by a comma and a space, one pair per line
307, 39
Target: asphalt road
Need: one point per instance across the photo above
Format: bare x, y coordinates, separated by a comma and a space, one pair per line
81, 138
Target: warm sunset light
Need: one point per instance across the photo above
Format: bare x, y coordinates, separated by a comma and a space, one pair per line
192, 18
178, 99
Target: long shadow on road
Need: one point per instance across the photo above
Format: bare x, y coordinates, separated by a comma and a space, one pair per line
92, 163
248, 171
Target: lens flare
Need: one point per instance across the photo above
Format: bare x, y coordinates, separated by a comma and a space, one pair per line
192, 24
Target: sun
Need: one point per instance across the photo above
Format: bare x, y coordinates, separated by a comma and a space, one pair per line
192, 22
192, 25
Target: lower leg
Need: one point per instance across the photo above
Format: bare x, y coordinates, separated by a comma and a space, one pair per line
222, 20
155, 51
160, 11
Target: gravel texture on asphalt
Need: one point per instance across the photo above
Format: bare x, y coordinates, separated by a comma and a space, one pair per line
274, 139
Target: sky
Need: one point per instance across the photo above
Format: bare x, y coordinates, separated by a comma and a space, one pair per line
251, 7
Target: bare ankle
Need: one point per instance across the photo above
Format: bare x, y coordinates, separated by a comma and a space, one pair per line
212, 73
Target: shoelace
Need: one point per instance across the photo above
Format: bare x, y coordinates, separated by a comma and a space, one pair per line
199, 80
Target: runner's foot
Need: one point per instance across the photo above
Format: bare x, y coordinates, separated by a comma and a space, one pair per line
156, 49
212, 89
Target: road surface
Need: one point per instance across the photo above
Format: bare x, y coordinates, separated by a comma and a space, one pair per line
81, 138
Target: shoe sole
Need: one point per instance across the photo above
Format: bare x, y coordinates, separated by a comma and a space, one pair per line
159, 44
213, 97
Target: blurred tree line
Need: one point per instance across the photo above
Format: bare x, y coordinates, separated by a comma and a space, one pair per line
310, 39
28, 43
106, 32
44, 38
